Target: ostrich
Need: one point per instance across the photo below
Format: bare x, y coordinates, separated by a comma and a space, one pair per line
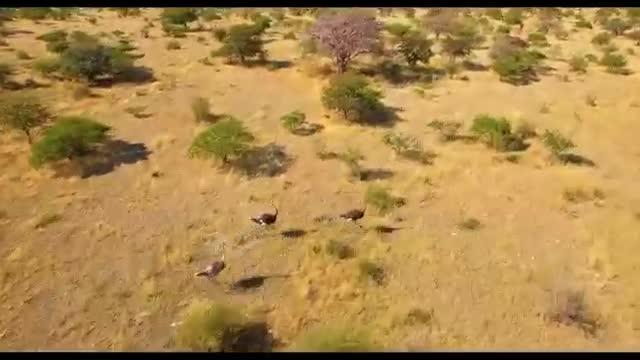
354, 214
215, 268
266, 218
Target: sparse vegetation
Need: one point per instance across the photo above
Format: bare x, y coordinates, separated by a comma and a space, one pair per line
381, 199
578, 64
407, 147
334, 340
68, 138
226, 138
372, 271
556, 142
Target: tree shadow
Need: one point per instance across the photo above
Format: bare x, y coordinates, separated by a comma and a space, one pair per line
397, 74
269, 160
271, 65
576, 159
251, 337
137, 75
308, 129
106, 159
385, 116
375, 174
474, 66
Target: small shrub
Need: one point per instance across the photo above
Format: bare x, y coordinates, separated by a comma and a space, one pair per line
334, 339
470, 224
556, 142
173, 45
407, 147
22, 55
601, 39
46, 66
578, 64
200, 109
289, 36
178, 16
34, 13
206, 326
220, 34
69, 137
371, 271
381, 199
568, 307
339, 249
22, 113
53, 36
495, 132
226, 138
514, 16
582, 23
494, 13
293, 120
352, 96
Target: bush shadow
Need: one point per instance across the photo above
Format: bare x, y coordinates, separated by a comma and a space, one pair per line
269, 160
106, 159
575, 159
308, 129
397, 74
375, 174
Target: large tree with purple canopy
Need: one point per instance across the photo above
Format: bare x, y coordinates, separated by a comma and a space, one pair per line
346, 36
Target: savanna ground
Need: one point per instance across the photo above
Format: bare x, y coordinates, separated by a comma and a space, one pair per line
107, 262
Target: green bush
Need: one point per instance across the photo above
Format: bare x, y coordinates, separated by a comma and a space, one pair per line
220, 34
397, 29
178, 16
69, 137
22, 55
514, 16
226, 138
207, 326
615, 63
495, 132
616, 26
556, 142
242, 42
415, 47
518, 68
538, 39
352, 96
407, 147
5, 71
128, 12
53, 36
334, 340
601, 39
578, 64
81, 37
46, 66
494, 13
582, 23
88, 61
173, 45
261, 22
22, 113
210, 14
381, 199
293, 120
34, 13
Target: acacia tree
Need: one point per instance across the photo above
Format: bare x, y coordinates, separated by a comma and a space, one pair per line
346, 36
443, 21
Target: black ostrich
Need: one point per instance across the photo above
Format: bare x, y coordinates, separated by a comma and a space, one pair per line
354, 214
266, 218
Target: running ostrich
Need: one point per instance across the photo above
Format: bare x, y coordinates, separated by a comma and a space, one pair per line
354, 214
266, 218
215, 268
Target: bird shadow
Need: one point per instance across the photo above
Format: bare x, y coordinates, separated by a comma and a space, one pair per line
576, 159
293, 233
253, 282
105, 160
375, 174
383, 229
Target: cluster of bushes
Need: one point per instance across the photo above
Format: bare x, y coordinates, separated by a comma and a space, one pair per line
514, 62
496, 133
68, 138
83, 57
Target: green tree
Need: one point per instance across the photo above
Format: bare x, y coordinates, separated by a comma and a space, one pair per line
22, 113
178, 16
69, 137
415, 47
226, 138
352, 96
242, 42
88, 61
